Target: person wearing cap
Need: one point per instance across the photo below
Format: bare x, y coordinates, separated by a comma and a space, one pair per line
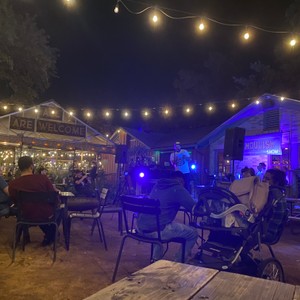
180, 158
30, 182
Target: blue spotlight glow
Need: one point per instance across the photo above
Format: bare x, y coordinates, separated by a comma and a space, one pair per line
193, 166
141, 174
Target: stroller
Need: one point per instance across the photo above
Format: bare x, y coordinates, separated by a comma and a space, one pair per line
233, 236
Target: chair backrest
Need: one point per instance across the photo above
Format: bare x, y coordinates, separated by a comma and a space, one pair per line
102, 198
140, 205
103, 194
36, 206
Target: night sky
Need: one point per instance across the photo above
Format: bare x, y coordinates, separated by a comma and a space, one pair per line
120, 60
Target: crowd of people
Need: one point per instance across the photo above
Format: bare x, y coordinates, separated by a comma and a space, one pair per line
173, 193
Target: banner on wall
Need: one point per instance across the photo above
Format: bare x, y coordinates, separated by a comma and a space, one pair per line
269, 144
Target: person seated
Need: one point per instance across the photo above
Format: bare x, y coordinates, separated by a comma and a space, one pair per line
276, 215
5, 201
30, 182
43, 171
247, 172
172, 195
82, 185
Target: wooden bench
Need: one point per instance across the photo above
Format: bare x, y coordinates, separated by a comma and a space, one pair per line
169, 280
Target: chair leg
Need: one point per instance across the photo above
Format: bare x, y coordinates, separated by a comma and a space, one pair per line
120, 222
54, 242
93, 227
119, 258
183, 253
16, 237
101, 233
68, 233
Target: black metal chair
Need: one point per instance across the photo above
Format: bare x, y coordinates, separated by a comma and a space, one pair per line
112, 209
35, 209
86, 208
141, 205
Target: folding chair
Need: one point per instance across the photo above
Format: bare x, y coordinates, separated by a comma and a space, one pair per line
136, 205
35, 209
110, 208
86, 208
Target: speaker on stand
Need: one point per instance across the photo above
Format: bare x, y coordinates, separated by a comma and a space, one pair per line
121, 160
234, 144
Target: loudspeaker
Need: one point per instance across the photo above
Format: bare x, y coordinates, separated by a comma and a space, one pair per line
121, 154
234, 143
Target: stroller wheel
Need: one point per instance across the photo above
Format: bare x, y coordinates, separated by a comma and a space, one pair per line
270, 269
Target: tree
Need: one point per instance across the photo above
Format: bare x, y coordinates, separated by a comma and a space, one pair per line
27, 62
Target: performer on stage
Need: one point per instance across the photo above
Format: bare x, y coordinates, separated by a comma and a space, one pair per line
180, 158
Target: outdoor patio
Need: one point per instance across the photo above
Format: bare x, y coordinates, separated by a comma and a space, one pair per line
87, 267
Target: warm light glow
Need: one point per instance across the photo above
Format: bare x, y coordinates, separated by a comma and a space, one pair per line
233, 105
5, 107
20, 109
282, 98
257, 101
187, 110
107, 114
155, 18
126, 114
146, 113
116, 9
201, 26
36, 110
88, 114
69, 3
293, 42
246, 35
71, 113
53, 112
210, 108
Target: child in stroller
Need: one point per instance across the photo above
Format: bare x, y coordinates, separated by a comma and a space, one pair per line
234, 243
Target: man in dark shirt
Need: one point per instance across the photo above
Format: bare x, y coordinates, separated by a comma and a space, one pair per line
29, 182
172, 196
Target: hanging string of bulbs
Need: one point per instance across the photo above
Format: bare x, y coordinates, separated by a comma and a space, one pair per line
156, 13
146, 113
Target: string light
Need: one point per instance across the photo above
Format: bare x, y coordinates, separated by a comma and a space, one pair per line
166, 111
293, 42
246, 35
116, 9
181, 15
126, 114
107, 114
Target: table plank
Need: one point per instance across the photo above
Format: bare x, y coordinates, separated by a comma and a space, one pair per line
227, 286
161, 280
297, 293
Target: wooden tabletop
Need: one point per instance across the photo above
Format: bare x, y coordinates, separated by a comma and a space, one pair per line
169, 280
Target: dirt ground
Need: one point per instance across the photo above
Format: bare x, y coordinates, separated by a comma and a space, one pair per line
87, 267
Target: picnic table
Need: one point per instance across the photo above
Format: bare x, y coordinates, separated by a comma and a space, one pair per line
170, 280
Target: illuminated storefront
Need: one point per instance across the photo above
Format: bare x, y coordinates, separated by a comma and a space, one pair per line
272, 136
54, 138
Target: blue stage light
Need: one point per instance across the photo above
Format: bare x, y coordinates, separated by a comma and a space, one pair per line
193, 167
141, 174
